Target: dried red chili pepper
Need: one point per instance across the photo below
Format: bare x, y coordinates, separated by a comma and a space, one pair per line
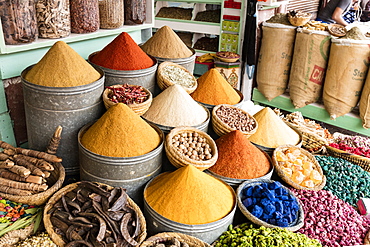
127, 94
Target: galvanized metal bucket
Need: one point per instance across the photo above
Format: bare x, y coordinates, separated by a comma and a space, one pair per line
131, 173
203, 126
187, 62
208, 233
70, 107
141, 77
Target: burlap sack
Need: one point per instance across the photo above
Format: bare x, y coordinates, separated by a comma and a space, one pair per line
307, 73
364, 105
274, 59
345, 75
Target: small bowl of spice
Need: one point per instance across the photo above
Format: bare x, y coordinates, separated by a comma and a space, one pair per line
298, 18
170, 73
227, 56
190, 146
226, 118
136, 97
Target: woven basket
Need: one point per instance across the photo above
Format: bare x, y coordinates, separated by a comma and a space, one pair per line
221, 128
164, 83
178, 160
55, 182
165, 236
294, 227
299, 21
139, 109
286, 179
57, 239
310, 141
361, 161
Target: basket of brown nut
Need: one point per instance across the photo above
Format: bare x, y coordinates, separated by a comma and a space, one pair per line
298, 18
190, 146
227, 56
226, 118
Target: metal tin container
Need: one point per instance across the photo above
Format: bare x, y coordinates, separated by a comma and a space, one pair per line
70, 107
208, 233
131, 173
142, 77
187, 62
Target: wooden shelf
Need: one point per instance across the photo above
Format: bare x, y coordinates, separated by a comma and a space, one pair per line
314, 111
186, 25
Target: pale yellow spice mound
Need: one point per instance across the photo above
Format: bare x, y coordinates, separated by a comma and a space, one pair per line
165, 43
272, 131
190, 196
62, 66
120, 132
213, 89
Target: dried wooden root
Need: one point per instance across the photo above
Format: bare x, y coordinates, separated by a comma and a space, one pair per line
54, 141
20, 170
40, 163
4, 173
6, 163
34, 170
23, 186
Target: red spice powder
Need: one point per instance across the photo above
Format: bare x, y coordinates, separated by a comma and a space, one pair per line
122, 54
239, 158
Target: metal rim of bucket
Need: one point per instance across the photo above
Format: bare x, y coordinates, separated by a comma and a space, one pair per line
118, 160
237, 181
201, 126
198, 227
138, 72
210, 107
66, 90
123, 180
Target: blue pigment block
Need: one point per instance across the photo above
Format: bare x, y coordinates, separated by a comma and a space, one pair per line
247, 202
278, 215
275, 185
265, 201
265, 217
282, 222
265, 186
257, 191
270, 194
269, 209
257, 211
284, 198
280, 191
286, 204
272, 221
248, 191
279, 206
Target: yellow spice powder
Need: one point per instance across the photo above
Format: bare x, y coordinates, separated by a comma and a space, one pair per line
272, 131
213, 89
190, 196
62, 66
120, 132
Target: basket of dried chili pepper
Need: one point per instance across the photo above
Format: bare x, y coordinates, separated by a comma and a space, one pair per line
90, 213
136, 97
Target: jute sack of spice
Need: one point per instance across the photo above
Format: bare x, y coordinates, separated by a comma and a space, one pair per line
307, 74
274, 59
344, 80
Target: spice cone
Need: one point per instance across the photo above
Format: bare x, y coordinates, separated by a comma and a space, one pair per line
272, 131
61, 66
190, 196
120, 132
213, 89
165, 43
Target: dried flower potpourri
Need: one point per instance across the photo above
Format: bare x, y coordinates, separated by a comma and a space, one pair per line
352, 144
127, 94
344, 179
260, 236
330, 220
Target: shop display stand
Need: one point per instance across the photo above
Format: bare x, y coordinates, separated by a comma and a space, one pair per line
15, 58
351, 121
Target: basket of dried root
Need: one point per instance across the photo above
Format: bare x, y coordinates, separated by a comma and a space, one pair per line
30, 176
136, 97
298, 18
168, 239
94, 214
170, 73
190, 146
226, 118
298, 168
